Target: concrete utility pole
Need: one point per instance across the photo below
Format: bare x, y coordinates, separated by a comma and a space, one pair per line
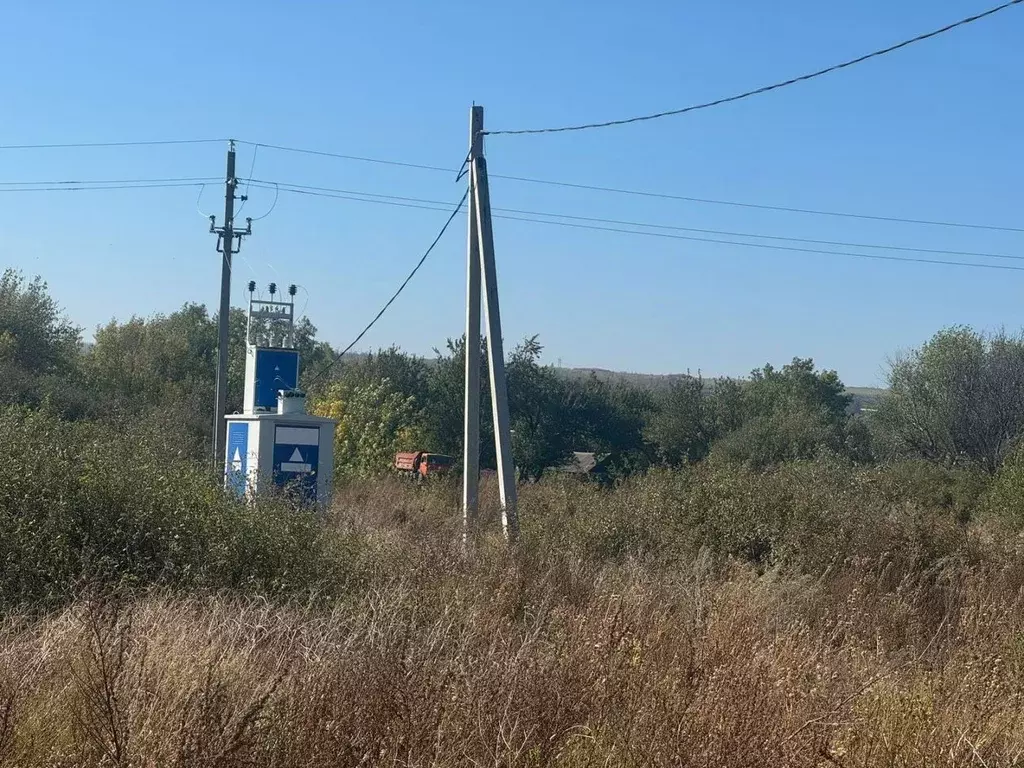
226, 245
471, 431
495, 353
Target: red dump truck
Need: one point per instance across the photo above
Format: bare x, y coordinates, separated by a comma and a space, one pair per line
422, 463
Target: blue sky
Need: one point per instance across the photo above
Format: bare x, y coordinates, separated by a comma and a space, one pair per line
930, 132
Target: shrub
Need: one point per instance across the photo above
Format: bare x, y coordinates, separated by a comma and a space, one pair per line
80, 504
1005, 498
802, 516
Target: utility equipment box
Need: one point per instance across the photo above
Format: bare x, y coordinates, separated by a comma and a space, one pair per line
274, 444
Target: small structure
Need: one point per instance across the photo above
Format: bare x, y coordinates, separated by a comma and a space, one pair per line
587, 464
274, 443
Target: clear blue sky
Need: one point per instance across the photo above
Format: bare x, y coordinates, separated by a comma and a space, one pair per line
933, 131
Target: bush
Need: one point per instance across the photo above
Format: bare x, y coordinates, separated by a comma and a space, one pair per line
816, 613
81, 504
957, 491
803, 516
1004, 501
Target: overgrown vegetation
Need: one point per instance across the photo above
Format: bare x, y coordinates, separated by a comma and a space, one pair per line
646, 626
957, 401
87, 506
775, 578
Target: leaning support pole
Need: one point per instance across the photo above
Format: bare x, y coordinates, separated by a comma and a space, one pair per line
495, 352
471, 427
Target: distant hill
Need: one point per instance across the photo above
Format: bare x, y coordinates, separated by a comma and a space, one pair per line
865, 397
650, 381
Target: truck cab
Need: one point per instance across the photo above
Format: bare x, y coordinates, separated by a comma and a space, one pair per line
422, 463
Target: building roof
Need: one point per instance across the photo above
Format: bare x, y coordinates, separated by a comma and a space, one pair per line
584, 463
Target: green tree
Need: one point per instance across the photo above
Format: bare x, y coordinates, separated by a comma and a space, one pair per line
782, 414
546, 415
727, 407
610, 420
163, 369
444, 405
374, 422
39, 346
683, 425
405, 373
551, 415
312, 353
798, 385
958, 398
155, 361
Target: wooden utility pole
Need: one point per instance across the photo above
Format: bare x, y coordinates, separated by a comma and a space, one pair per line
481, 202
471, 431
226, 245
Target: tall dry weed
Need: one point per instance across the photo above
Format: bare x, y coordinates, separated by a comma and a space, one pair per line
631, 628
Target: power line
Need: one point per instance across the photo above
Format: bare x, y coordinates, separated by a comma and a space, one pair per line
273, 205
73, 188
354, 197
92, 184
524, 179
766, 245
663, 195
359, 196
290, 187
789, 238
429, 205
356, 158
108, 181
394, 296
766, 88
252, 167
759, 206
93, 144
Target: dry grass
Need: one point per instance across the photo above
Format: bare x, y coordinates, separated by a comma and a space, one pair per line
550, 657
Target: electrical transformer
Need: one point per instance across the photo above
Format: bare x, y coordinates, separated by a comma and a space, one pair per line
274, 444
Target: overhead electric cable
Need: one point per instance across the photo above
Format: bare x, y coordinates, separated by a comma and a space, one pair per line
428, 205
354, 197
394, 296
663, 195
61, 182
85, 188
765, 88
359, 195
252, 167
339, 156
93, 144
273, 205
761, 206
763, 245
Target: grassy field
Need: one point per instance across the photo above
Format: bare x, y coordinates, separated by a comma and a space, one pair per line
817, 615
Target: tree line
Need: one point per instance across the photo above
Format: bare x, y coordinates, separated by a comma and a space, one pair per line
956, 400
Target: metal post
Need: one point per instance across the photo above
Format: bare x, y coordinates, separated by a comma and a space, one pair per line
471, 426
226, 245
495, 354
